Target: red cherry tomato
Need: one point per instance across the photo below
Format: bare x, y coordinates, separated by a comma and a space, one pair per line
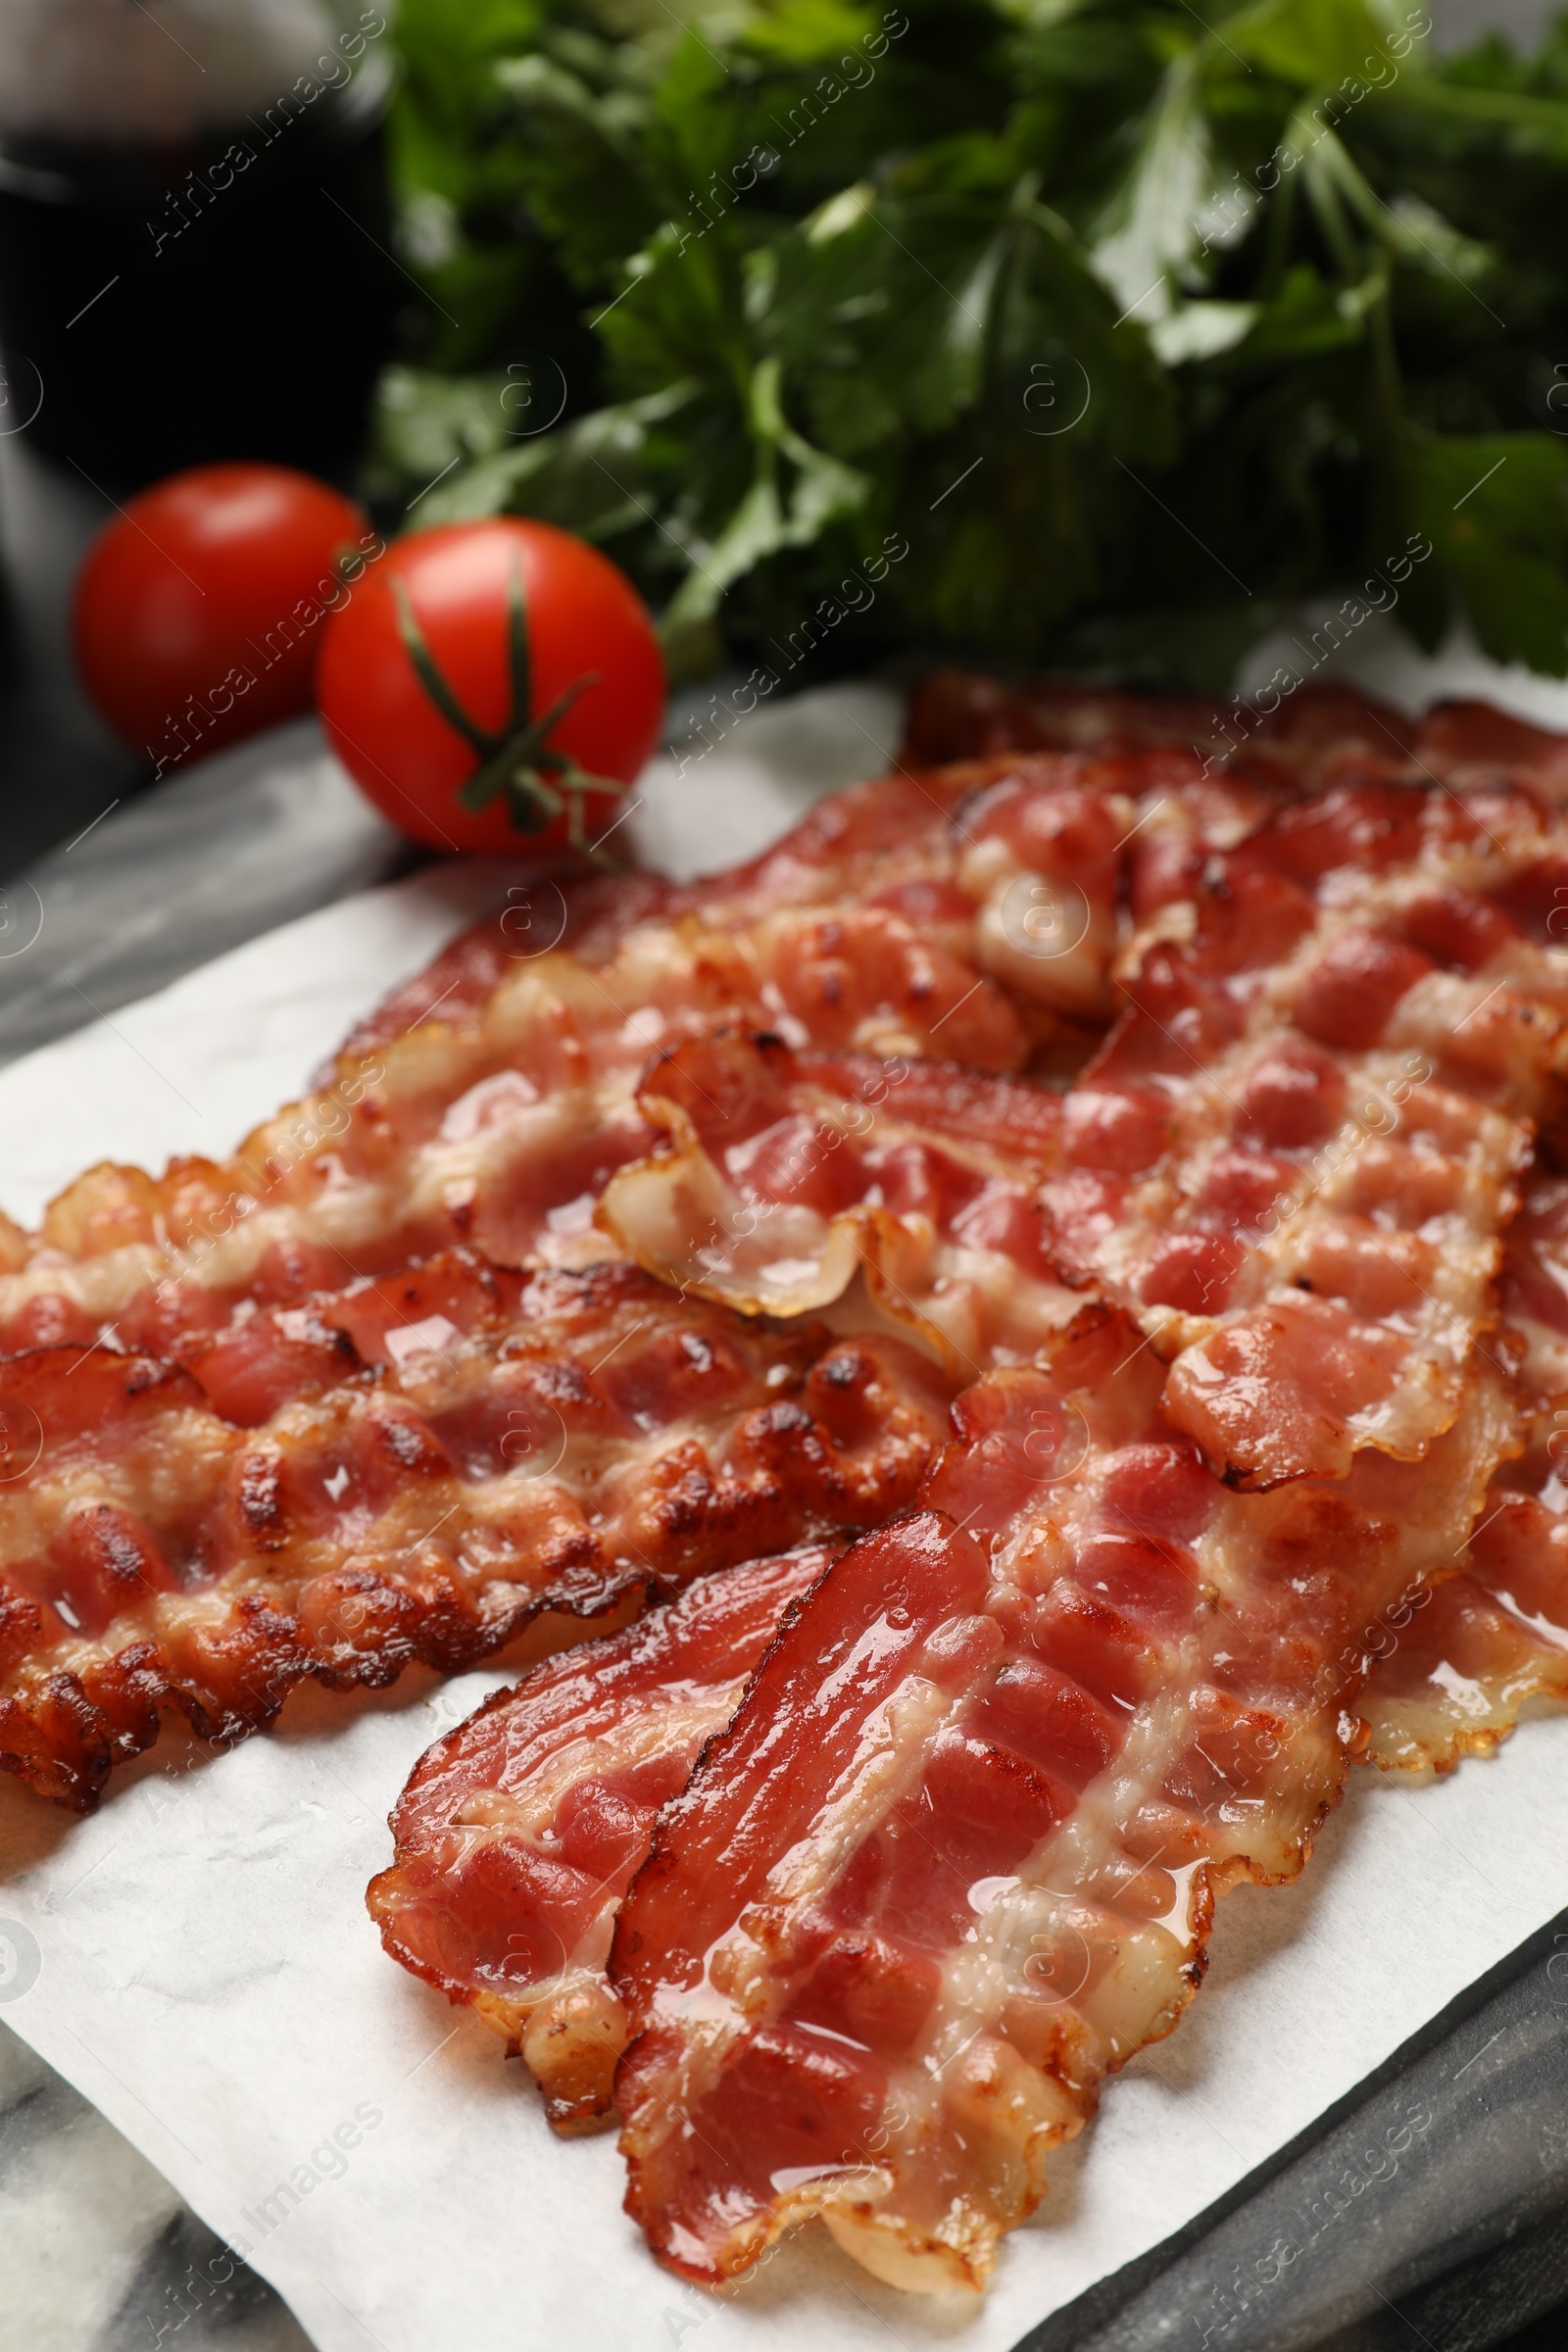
198, 609
493, 683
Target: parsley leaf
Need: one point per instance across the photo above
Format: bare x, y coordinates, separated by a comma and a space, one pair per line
1127, 325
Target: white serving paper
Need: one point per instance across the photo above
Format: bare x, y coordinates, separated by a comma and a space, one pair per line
197, 1959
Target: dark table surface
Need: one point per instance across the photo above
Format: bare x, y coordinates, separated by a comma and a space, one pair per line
59, 767
1459, 2244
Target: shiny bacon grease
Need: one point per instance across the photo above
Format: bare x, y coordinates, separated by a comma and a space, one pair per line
955, 1855
490, 1101
788, 1175
954, 1858
410, 1470
518, 1833
1291, 1160
836, 1149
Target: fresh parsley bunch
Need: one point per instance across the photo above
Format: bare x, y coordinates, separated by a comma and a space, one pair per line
1129, 325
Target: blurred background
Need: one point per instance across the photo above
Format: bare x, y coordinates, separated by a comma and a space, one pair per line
536, 256
508, 254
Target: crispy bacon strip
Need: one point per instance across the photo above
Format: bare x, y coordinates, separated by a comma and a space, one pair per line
1472, 742
784, 1174
1321, 735
518, 1833
490, 1099
955, 1856
1459, 1672
971, 913
1533, 1291
405, 1470
883, 849
1352, 1032
1291, 1160
495, 1096
1315, 738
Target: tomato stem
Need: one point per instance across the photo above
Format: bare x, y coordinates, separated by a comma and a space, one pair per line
540, 785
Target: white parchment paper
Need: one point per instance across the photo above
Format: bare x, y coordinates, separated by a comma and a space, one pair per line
197, 1958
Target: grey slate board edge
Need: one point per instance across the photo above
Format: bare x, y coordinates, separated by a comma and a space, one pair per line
97, 2251
249, 839
1428, 2207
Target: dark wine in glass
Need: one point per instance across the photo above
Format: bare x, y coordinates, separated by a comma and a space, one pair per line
195, 263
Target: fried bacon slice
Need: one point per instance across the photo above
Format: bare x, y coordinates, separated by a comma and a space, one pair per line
1291, 1160
1322, 734
410, 1469
1353, 1035
518, 1833
1533, 1290
1460, 1670
1471, 742
1458, 1675
494, 1098
1351, 1023
955, 1856
785, 1174
970, 915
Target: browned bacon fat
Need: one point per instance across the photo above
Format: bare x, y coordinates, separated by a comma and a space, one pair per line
405, 1470
518, 1833
955, 1856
